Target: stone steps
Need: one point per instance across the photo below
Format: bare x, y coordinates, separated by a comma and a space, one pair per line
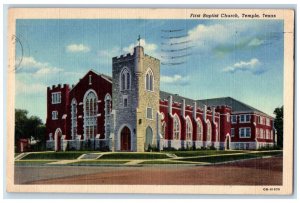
89, 156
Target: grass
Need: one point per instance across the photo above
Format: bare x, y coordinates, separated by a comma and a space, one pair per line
54, 155
216, 159
31, 162
130, 155
202, 152
96, 162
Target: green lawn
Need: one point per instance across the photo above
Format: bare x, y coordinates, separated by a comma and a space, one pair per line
203, 152
54, 155
216, 159
31, 162
96, 162
130, 155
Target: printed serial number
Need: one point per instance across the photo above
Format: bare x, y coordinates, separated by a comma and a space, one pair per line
271, 189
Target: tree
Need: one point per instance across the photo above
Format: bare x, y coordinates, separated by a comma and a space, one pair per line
278, 124
29, 127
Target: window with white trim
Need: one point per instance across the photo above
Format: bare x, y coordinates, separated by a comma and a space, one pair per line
90, 115
199, 131
149, 113
245, 118
245, 132
107, 111
233, 118
268, 136
176, 128
74, 119
54, 115
125, 79
267, 121
50, 136
149, 80
271, 134
261, 133
125, 101
189, 129
56, 97
232, 132
257, 133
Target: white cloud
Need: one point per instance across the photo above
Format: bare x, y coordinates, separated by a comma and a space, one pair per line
35, 68
255, 42
77, 48
203, 34
225, 37
252, 65
109, 53
30, 89
176, 79
149, 48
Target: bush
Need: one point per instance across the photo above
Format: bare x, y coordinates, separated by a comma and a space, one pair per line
274, 147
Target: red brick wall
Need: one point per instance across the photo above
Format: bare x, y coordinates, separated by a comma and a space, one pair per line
61, 108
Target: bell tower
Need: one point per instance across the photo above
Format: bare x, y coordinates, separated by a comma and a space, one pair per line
136, 86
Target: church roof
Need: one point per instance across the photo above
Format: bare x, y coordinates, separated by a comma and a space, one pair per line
236, 106
176, 98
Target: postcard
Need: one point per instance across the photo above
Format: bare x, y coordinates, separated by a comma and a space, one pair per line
156, 101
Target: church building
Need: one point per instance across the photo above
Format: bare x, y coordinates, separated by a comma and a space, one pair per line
129, 112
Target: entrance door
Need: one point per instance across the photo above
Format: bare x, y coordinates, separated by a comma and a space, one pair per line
57, 138
227, 143
125, 139
149, 138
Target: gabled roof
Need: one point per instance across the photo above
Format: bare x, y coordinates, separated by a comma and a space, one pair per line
106, 77
176, 98
237, 106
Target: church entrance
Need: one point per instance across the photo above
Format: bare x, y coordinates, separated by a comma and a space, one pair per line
149, 138
227, 142
125, 139
57, 138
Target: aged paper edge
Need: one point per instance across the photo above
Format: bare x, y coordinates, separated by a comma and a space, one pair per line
118, 13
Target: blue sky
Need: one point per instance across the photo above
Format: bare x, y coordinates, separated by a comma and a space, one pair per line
238, 58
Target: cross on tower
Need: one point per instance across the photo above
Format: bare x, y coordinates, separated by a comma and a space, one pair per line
139, 40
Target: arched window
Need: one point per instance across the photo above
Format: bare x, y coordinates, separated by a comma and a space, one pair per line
199, 131
189, 129
208, 137
73, 118
163, 130
125, 79
90, 115
149, 80
176, 128
107, 111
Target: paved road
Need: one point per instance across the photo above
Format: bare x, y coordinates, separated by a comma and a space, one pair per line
267, 171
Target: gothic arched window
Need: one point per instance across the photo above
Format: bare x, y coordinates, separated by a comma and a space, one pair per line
125, 79
149, 80
107, 115
90, 115
189, 129
176, 128
73, 118
199, 130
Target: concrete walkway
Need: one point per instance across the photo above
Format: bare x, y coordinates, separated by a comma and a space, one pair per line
62, 162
